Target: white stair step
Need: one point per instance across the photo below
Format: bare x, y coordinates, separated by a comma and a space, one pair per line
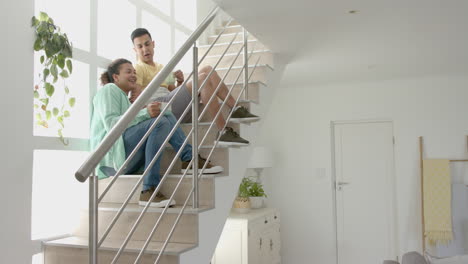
74, 250
259, 75
219, 48
227, 37
125, 183
263, 57
233, 23
230, 29
185, 232
254, 90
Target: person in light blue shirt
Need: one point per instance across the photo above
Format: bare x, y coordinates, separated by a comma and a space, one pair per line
109, 104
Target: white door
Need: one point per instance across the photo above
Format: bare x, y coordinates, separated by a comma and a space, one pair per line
365, 208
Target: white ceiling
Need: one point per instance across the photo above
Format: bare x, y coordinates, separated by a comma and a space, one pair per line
386, 38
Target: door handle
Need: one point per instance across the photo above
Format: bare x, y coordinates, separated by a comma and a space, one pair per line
339, 185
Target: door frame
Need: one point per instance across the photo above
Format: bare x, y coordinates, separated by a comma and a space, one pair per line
393, 200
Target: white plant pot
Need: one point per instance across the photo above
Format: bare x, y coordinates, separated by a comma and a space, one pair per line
256, 202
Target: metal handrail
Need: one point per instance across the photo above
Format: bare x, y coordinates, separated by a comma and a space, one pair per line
93, 160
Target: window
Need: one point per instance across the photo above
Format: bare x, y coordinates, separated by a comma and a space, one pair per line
100, 32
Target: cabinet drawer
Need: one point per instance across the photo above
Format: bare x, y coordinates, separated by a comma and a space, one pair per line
274, 218
265, 221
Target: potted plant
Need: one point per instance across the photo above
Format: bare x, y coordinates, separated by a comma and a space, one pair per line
242, 201
256, 194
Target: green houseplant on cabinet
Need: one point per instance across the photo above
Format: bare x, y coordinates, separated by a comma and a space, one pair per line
256, 194
56, 53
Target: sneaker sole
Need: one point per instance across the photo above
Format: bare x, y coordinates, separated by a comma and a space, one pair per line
248, 119
212, 170
227, 143
158, 205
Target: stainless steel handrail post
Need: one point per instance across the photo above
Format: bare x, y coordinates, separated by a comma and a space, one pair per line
93, 219
246, 67
195, 125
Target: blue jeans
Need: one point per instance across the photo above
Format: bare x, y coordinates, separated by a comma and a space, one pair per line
148, 150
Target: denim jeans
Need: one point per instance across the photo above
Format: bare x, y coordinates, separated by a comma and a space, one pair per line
148, 150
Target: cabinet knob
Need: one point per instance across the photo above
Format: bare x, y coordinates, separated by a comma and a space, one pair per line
266, 221
276, 217
271, 244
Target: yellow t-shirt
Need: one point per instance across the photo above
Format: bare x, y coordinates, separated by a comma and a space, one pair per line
145, 73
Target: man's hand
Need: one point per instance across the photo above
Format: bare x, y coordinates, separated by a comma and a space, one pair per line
154, 109
179, 75
135, 93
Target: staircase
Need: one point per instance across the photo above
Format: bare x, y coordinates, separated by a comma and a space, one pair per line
196, 235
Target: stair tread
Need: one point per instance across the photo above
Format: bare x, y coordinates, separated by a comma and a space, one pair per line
250, 66
138, 208
114, 245
227, 43
235, 53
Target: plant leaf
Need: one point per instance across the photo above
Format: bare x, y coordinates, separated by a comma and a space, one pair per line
42, 59
46, 73
71, 101
38, 44
64, 74
55, 111
66, 114
45, 101
44, 107
54, 70
61, 61
36, 94
43, 16
38, 117
67, 91
36, 106
69, 66
48, 114
49, 89
34, 21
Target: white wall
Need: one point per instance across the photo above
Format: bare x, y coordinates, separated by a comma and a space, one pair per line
298, 130
16, 131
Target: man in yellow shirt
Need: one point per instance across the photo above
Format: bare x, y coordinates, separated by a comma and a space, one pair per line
146, 69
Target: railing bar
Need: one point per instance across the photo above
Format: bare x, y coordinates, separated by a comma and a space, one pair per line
93, 220
195, 102
246, 65
214, 42
164, 210
93, 160
161, 149
255, 67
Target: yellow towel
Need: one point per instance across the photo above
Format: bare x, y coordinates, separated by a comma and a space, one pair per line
437, 201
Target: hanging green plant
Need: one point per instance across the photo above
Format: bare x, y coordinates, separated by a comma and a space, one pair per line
56, 53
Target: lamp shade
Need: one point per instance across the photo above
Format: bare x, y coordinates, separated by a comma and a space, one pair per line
261, 158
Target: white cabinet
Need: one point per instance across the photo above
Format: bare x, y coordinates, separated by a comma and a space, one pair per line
252, 238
